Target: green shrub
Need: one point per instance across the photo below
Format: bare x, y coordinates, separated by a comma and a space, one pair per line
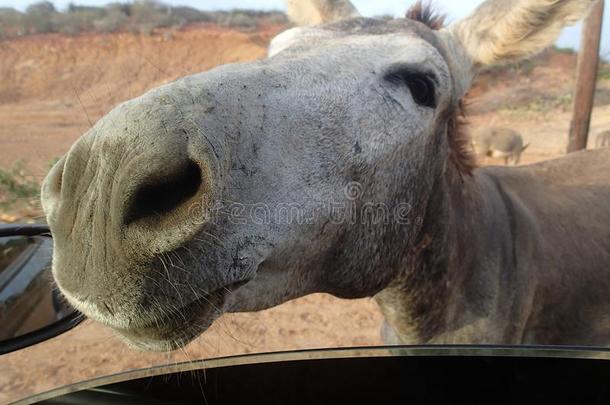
238, 19
17, 186
142, 16
113, 21
67, 24
149, 14
11, 22
191, 15
39, 18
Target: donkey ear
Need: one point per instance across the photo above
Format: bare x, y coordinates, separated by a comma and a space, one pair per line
290, 37
502, 31
314, 12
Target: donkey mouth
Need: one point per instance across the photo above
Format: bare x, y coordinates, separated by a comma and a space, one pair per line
177, 328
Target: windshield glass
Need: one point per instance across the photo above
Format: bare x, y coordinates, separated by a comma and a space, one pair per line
339, 194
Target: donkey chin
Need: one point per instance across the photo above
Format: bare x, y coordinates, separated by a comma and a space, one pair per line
157, 328
175, 329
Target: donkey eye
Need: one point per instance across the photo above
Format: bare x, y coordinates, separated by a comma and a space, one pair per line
422, 90
420, 85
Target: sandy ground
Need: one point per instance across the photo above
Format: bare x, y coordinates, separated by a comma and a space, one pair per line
90, 350
47, 99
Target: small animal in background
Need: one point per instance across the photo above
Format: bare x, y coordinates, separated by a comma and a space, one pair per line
603, 140
499, 143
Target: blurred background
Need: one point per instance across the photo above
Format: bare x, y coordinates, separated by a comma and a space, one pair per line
64, 65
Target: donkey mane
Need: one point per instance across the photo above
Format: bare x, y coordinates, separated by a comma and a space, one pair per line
427, 15
460, 152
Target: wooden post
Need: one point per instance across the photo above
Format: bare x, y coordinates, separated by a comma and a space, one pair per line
586, 78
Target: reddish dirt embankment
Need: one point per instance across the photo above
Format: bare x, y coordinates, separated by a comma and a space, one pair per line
53, 87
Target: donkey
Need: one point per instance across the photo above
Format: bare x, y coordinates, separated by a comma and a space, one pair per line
499, 143
603, 140
340, 165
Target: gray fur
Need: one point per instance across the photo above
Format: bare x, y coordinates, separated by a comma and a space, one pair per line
499, 143
157, 250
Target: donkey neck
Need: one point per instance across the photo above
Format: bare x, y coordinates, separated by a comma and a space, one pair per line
454, 274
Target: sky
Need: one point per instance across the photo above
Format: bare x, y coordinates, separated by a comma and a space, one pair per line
453, 8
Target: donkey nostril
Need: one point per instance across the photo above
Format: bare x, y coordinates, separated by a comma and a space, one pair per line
162, 196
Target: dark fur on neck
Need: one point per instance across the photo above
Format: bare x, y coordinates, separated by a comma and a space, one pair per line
439, 291
461, 154
424, 290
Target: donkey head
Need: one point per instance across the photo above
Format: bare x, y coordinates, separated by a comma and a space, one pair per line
252, 184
